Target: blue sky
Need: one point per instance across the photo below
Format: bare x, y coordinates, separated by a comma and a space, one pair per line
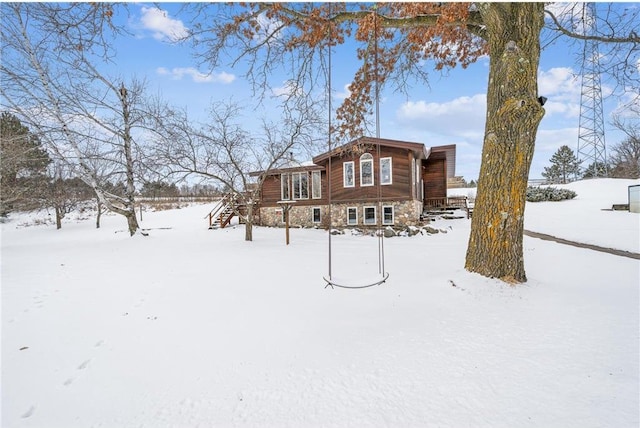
450, 110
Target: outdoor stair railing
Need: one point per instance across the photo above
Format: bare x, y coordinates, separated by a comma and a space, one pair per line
224, 210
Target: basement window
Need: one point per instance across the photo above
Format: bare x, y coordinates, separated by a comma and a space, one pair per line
387, 214
352, 216
370, 215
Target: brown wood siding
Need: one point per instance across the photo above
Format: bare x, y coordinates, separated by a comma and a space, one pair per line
434, 175
399, 189
272, 193
271, 189
404, 187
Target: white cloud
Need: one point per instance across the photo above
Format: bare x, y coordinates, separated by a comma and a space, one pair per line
267, 27
345, 93
178, 73
416, 109
288, 88
462, 116
161, 25
565, 109
559, 84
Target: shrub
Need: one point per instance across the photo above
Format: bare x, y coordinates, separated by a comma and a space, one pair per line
539, 194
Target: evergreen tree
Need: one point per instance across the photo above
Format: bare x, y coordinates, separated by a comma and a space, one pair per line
564, 164
23, 165
597, 169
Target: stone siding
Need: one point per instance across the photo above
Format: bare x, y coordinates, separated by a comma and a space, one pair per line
406, 213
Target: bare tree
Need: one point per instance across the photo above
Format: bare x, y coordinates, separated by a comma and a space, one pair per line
65, 192
223, 149
625, 155
51, 80
399, 38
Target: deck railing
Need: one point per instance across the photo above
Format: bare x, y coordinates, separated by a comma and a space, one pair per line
446, 202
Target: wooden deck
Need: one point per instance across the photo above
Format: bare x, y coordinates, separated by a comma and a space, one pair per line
449, 203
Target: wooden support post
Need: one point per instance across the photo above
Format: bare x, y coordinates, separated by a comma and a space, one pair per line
286, 207
286, 224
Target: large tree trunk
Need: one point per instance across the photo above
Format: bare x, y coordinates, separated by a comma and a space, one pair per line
513, 115
132, 222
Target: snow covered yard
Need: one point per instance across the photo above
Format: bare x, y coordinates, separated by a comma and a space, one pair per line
192, 327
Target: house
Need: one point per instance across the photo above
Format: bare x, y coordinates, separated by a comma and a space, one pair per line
412, 178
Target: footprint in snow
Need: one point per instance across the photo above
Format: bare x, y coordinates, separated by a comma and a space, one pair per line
29, 412
82, 366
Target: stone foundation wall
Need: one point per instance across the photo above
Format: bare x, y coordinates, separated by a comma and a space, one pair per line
406, 213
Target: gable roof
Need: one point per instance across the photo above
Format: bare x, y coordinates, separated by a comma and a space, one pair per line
289, 168
418, 149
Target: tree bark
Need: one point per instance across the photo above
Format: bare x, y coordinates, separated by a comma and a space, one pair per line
132, 222
130, 189
99, 214
248, 225
59, 216
513, 115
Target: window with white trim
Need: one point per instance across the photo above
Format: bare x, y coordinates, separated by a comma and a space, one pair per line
300, 184
285, 189
385, 171
370, 215
348, 173
315, 215
316, 184
387, 214
352, 215
366, 170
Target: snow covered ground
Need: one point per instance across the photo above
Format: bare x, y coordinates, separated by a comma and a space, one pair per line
191, 327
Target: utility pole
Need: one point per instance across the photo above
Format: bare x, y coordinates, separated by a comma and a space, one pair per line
591, 141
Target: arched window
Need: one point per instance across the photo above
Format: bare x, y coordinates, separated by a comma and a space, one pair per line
366, 170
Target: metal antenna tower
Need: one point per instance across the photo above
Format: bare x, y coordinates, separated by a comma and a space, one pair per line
591, 142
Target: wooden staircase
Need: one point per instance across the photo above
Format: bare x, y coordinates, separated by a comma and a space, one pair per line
222, 213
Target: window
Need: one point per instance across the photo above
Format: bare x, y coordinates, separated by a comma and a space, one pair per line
316, 185
352, 215
366, 170
300, 184
348, 171
315, 214
285, 191
369, 215
385, 171
387, 214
